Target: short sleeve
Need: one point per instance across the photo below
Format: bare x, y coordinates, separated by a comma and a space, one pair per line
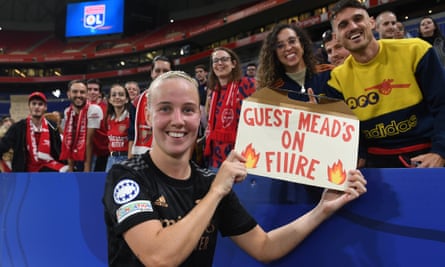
235, 219
95, 115
126, 199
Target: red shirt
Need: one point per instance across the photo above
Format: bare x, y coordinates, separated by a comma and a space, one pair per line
118, 132
220, 149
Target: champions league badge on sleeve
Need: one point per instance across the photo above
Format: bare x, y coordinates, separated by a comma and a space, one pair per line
125, 191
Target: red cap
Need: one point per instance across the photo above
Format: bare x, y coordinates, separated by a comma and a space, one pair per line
38, 95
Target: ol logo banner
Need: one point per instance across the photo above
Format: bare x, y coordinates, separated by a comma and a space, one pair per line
94, 16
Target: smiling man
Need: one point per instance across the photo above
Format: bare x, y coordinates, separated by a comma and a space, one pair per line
335, 51
81, 121
386, 25
395, 88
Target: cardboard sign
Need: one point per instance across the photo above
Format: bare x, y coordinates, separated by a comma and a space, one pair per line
281, 138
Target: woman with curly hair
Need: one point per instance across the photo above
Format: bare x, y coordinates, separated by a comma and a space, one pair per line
287, 62
228, 89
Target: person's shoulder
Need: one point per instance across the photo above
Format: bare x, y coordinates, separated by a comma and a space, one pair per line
16, 128
51, 124
408, 50
19, 124
95, 111
247, 80
94, 107
66, 110
142, 99
102, 104
345, 67
136, 163
404, 43
320, 68
134, 169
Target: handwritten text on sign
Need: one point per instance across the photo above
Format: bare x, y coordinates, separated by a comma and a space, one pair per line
297, 145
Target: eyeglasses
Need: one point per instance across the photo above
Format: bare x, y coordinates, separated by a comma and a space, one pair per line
222, 59
291, 41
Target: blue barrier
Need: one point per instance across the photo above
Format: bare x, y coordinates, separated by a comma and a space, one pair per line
57, 220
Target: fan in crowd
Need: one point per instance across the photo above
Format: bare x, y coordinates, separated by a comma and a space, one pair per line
35, 141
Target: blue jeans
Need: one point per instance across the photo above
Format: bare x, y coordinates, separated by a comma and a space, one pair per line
113, 160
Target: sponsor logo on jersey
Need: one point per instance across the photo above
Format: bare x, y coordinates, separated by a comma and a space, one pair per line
132, 208
161, 202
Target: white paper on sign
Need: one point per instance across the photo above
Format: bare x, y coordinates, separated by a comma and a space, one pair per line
297, 145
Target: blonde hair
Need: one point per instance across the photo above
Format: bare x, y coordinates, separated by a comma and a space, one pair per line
175, 74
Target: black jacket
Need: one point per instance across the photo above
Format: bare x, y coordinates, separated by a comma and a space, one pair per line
15, 138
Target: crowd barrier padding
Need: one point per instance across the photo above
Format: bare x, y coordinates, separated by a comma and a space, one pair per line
51, 219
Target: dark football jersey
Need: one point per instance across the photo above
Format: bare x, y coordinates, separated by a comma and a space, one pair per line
137, 191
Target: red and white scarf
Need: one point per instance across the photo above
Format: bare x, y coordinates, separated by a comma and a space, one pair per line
40, 151
224, 127
142, 131
75, 136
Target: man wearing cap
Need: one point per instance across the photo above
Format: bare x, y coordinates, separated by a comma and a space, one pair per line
34, 140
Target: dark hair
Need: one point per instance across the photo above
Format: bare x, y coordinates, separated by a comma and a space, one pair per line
326, 36
95, 81
110, 108
436, 33
270, 68
201, 66
236, 73
343, 4
161, 58
5, 118
76, 81
251, 65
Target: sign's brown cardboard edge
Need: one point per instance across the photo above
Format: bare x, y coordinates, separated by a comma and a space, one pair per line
280, 98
